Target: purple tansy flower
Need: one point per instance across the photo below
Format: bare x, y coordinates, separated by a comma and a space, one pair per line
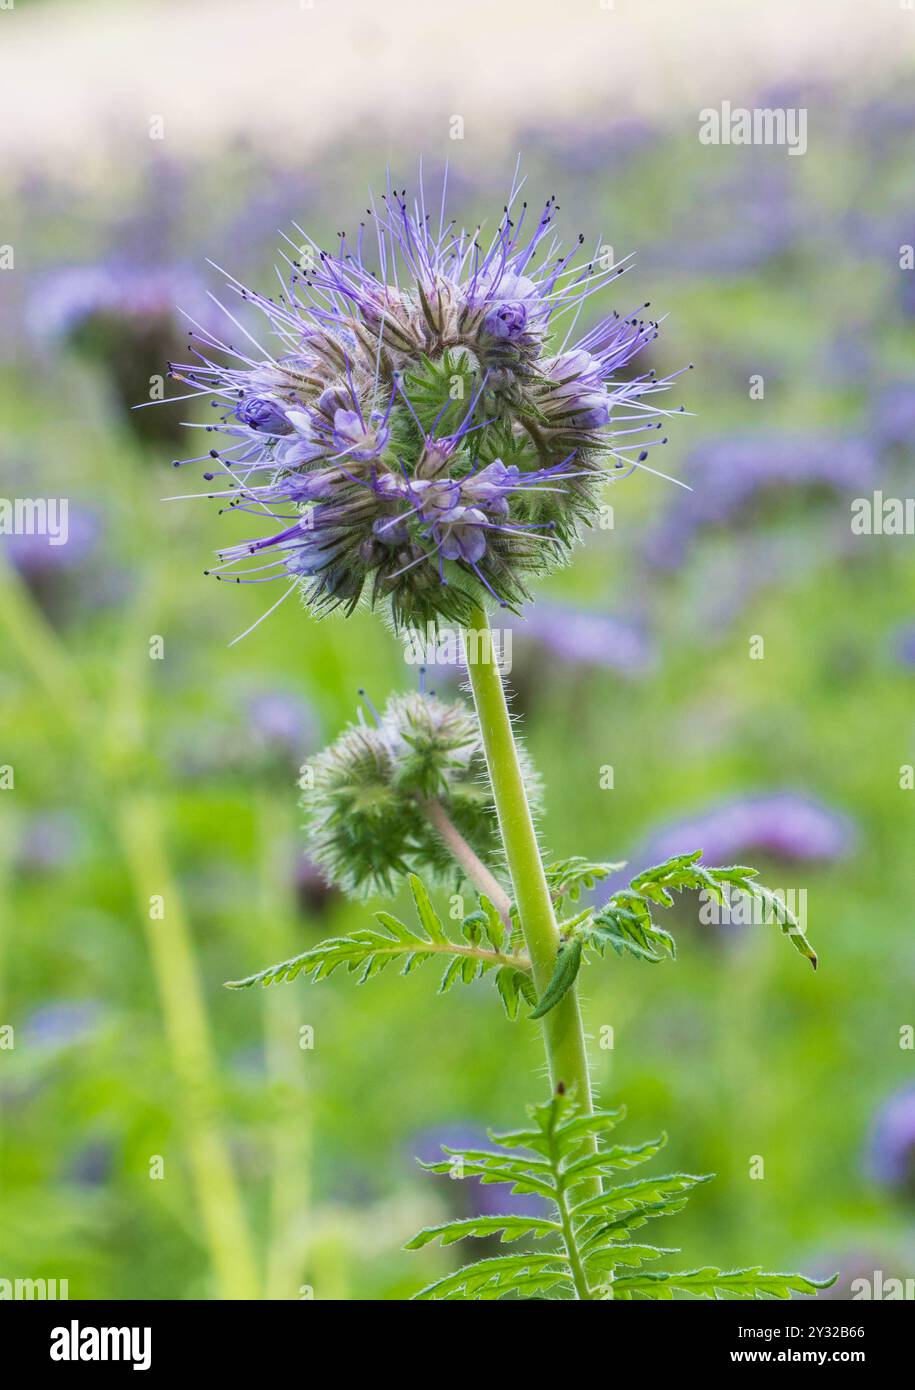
781, 825
891, 1148
426, 435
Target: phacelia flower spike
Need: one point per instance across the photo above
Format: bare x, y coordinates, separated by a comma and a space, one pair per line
423, 433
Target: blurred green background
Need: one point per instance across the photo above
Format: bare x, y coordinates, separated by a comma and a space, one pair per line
138, 778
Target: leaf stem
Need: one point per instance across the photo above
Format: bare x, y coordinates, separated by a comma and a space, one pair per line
474, 868
579, 1278
562, 1027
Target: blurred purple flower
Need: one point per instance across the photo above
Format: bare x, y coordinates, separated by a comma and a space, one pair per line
727, 475
891, 1146
282, 724
92, 1165
585, 637
63, 1023
765, 222
61, 578
36, 558
130, 317
469, 1195
780, 825
313, 893
893, 416
904, 644
48, 841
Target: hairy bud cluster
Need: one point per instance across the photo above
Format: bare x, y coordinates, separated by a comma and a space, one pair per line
366, 795
420, 439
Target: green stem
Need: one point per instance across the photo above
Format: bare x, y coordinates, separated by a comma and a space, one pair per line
562, 1029
187, 1029
579, 1277
473, 867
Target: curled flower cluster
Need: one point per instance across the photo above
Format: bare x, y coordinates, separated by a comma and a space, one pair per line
366, 797
423, 434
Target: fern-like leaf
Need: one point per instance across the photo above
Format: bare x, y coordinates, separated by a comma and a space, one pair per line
563, 1157
717, 1283
568, 877
625, 923
486, 945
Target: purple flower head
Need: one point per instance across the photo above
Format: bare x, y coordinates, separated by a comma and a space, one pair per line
427, 377
891, 1148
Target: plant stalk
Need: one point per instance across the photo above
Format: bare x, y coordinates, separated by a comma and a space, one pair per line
472, 865
562, 1027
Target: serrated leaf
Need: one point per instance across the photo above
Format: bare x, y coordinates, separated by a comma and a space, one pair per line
568, 877
500, 1275
493, 926
610, 1160
369, 950
625, 922
593, 1257
670, 1187
509, 1228
426, 912
717, 1283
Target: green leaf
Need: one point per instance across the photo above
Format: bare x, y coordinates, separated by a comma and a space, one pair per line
568, 964
568, 877
611, 1160
717, 1283
504, 1274
625, 922
426, 912
369, 950
508, 1227
494, 927
593, 1256
654, 1191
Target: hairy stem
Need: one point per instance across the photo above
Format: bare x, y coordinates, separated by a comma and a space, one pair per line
562, 1029
469, 861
